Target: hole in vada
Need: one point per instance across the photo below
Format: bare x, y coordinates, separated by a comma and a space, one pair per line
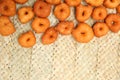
101, 29
100, 14
40, 7
40, 24
83, 33
112, 0
83, 13
5, 23
66, 28
26, 13
28, 39
113, 23
5, 7
51, 36
61, 10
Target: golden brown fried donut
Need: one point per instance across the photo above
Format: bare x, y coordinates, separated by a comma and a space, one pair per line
111, 3
62, 11
53, 1
7, 7
40, 25
99, 13
42, 9
83, 12
73, 2
27, 39
65, 28
25, 14
113, 22
6, 26
49, 36
83, 33
118, 9
95, 2
100, 29
21, 1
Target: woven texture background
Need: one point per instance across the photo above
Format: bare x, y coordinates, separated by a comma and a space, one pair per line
65, 59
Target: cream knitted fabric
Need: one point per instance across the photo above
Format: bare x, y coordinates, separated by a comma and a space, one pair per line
65, 59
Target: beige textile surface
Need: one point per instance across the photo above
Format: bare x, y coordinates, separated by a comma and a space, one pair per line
65, 59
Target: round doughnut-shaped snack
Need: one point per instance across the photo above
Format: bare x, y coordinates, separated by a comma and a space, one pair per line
99, 13
111, 3
113, 22
27, 39
83, 33
42, 9
54, 2
83, 12
100, 29
40, 25
7, 7
6, 26
62, 11
65, 27
25, 14
49, 36
118, 9
73, 2
95, 2
21, 1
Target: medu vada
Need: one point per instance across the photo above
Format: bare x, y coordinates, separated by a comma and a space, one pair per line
65, 27
113, 22
25, 14
111, 3
27, 39
42, 9
49, 36
83, 33
99, 13
83, 12
100, 29
7, 7
6, 26
40, 25
62, 11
